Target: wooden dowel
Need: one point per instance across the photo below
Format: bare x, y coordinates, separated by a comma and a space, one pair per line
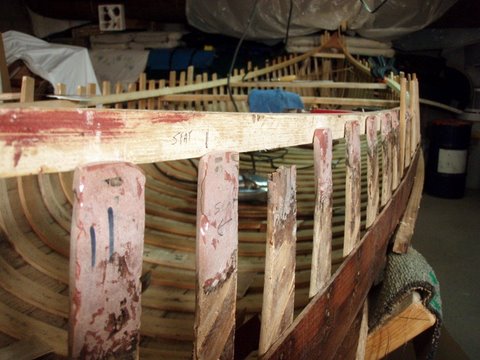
216, 256
151, 101
60, 89
106, 255
352, 187
279, 288
372, 170
91, 89
142, 85
322, 227
132, 87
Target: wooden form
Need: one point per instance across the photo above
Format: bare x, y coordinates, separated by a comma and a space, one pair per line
42, 140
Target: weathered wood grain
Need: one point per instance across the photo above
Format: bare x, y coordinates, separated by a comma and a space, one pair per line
317, 330
279, 288
373, 189
322, 227
106, 251
36, 140
352, 186
216, 255
387, 166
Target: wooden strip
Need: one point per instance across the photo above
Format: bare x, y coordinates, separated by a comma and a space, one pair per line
279, 289
395, 149
352, 187
142, 86
118, 90
408, 138
402, 124
404, 234
386, 130
216, 256
50, 141
60, 89
306, 99
30, 348
106, 251
417, 110
322, 227
310, 84
27, 90
151, 101
10, 96
4, 75
363, 333
317, 330
91, 89
132, 87
409, 320
373, 189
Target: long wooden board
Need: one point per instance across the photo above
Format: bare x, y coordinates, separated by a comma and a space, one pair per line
40, 141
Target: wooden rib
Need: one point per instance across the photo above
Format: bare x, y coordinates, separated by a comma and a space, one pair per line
142, 86
22, 326
106, 261
27, 90
318, 84
319, 331
132, 87
395, 149
118, 90
322, 231
410, 319
417, 110
386, 131
91, 89
372, 170
402, 124
151, 101
352, 187
27, 349
60, 89
81, 90
279, 289
404, 234
216, 285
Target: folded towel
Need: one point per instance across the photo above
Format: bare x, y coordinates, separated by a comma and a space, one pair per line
274, 101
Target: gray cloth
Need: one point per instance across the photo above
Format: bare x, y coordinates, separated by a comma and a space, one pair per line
405, 273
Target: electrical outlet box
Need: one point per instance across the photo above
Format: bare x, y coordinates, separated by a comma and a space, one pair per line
111, 17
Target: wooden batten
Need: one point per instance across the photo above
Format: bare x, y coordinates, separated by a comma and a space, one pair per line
279, 288
387, 166
27, 90
106, 252
216, 256
322, 228
142, 86
402, 125
373, 189
352, 186
395, 148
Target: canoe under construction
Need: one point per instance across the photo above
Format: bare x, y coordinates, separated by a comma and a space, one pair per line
145, 229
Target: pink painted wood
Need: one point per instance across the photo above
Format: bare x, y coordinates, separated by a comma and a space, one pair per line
352, 187
279, 288
322, 226
216, 255
106, 250
386, 130
372, 170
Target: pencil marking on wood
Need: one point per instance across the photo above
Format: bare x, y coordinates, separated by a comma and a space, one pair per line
93, 242
111, 234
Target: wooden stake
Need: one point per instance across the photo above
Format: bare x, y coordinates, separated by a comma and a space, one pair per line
27, 90
142, 85
279, 289
216, 256
106, 253
395, 149
386, 129
372, 170
402, 124
322, 227
352, 187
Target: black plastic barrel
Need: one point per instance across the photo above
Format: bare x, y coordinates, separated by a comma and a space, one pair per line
447, 158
